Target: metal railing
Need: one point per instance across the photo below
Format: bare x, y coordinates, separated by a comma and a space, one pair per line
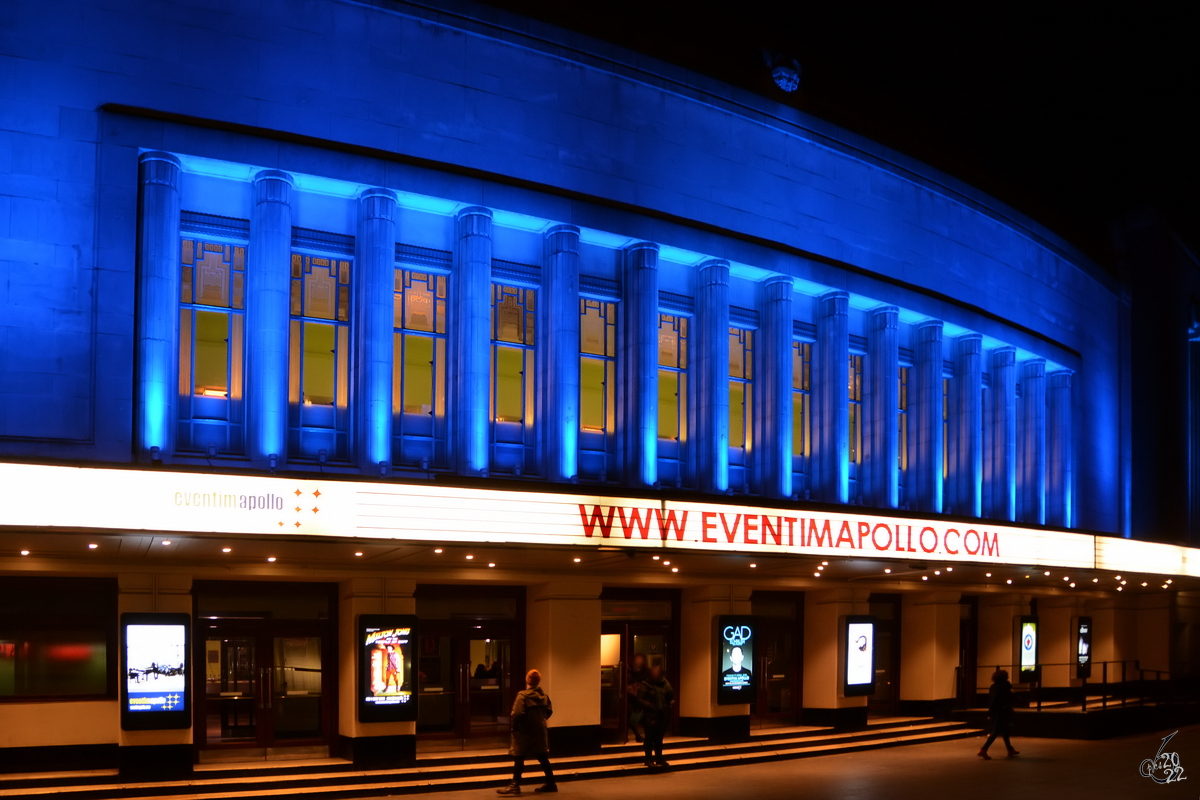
1117, 685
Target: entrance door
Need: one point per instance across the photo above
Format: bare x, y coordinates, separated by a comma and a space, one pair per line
264, 685
886, 610
775, 666
628, 650
467, 680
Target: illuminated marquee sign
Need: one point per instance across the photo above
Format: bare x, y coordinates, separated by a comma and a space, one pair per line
179, 502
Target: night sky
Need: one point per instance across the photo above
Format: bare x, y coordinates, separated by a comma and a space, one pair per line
1075, 114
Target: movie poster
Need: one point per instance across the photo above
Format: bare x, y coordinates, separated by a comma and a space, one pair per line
735, 680
387, 690
860, 656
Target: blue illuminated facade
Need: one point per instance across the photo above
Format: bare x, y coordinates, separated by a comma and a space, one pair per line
372, 239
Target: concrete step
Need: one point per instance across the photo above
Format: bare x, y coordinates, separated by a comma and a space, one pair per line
329, 781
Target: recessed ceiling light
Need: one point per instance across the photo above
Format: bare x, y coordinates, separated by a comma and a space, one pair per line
1026, 576
1047, 573
357, 554
816, 574
1123, 583
753, 566
1164, 586
1120, 588
949, 569
937, 572
1168, 580
656, 557
924, 577
437, 550
24, 552
1095, 580
674, 569
166, 542
92, 546
1145, 584
491, 563
1066, 578
1072, 586
1009, 581
271, 558
887, 570
577, 559
988, 574
226, 549
824, 563
666, 563
821, 567
1118, 577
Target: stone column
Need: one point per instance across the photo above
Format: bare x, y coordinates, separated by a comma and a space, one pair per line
699, 714
473, 387
1154, 614
268, 292
773, 388
997, 644
926, 411
1002, 473
145, 755
1059, 464
882, 409
561, 342
831, 465
823, 659
563, 643
158, 305
929, 624
638, 400
1056, 633
370, 745
1032, 456
967, 425
711, 329
1115, 633
373, 325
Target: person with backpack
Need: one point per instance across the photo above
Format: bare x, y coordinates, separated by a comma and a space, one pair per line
530, 737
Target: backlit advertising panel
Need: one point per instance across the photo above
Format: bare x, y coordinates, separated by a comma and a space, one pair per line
1027, 650
1083, 647
858, 659
155, 686
735, 677
386, 686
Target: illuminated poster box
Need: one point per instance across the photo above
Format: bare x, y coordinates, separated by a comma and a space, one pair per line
735, 663
156, 681
1083, 647
858, 656
1028, 670
387, 681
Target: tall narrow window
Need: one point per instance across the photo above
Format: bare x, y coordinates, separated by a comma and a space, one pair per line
801, 413
211, 324
902, 432
672, 397
945, 428
419, 369
741, 385
855, 419
597, 386
513, 372
319, 344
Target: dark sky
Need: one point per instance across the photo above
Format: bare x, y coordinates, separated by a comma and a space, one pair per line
1074, 113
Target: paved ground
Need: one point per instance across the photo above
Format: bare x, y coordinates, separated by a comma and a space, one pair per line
1046, 768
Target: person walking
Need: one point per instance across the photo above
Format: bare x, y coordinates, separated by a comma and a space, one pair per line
655, 697
1000, 711
530, 711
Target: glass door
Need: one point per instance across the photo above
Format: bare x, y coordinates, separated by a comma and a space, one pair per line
264, 686
628, 651
775, 666
467, 680
886, 610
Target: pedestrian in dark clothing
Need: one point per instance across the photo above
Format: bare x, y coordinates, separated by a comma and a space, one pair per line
637, 674
655, 697
530, 738
1000, 710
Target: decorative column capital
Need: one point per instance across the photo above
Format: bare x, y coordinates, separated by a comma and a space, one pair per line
833, 304
474, 221
377, 203
970, 344
885, 317
160, 168
1004, 357
714, 272
1060, 379
776, 287
273, 186
929, 331
1034, 368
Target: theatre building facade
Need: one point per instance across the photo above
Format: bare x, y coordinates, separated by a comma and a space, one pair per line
356, 358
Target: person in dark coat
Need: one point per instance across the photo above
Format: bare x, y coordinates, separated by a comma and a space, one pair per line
530, 737
637, 674
655, 697
1000, 710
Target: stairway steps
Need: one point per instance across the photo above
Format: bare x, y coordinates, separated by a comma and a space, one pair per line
429, 775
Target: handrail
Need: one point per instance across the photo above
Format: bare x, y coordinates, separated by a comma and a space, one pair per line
1157, 684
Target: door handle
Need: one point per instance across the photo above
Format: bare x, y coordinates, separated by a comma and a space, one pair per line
270, 685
